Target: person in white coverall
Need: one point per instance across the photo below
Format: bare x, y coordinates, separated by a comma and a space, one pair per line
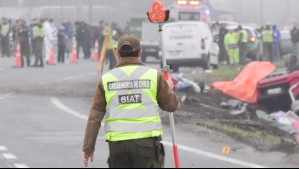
49, 39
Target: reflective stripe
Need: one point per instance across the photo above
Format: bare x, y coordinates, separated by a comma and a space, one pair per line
134, 114
133, 127
131, 109
120, 136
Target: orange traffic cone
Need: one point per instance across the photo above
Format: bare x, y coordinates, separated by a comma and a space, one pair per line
52, 57
18, 63
74, 58
96, 52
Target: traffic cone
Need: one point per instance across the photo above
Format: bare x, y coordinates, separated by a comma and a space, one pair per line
74, 58
52, 57
18, 62
96, 52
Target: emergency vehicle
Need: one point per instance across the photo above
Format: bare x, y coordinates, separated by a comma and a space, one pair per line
189, 10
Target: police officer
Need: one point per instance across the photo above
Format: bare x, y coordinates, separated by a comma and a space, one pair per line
268, 37
130, 96
38, 41
243, 40
231, 45
5, 31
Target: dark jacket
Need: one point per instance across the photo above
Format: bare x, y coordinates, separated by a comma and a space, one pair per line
61, 38
295, 35
23, 35
167, 101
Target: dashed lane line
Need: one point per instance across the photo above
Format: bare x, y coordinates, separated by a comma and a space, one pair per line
21, 166
4, 96
61, 106
9, 156
3, 148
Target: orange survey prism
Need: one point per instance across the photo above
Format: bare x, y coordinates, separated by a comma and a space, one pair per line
158, 14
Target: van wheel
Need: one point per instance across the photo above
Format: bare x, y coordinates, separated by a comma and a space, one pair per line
215, 66
206, 60
143, 58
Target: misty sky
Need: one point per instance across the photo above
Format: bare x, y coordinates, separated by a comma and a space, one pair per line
247, 11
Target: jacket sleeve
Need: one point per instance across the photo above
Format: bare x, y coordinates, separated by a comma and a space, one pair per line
167, 99
97, 113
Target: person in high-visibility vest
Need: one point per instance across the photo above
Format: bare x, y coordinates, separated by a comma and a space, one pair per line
268, 37
38, 42
243, 40
4, 35
232, 47
129, 96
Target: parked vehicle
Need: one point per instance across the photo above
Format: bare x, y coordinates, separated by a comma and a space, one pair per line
189, 44
150, 41
286, 42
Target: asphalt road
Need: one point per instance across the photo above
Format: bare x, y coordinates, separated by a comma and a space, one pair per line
43, 115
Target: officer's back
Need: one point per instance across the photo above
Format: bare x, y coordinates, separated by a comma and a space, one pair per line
130, 96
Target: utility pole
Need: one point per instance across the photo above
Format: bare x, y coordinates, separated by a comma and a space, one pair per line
262, 12
289, 10
90, 12
20, 7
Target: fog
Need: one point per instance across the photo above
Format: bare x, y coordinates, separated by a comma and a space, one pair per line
244, 11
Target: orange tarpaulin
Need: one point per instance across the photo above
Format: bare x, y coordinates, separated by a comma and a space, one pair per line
244, 86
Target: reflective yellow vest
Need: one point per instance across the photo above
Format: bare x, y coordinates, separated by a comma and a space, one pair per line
245, 36
267, 36
132, 110
231, 41
38, 32
5, 30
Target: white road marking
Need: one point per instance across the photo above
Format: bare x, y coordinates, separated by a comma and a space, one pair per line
61, 106
3, 148
21, 166
215, 156
79, 77
57, 103
9, 156
4, 96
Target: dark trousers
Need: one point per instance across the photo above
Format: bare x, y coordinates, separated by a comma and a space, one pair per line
79, 45
61, 54
25, 53
268, 51
5, 46
141, 153
223, 56
86, 50
38, 52
111, 58
243, 53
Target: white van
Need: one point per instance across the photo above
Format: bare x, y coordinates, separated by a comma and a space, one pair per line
189, 44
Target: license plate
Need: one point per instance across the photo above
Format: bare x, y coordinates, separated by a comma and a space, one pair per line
175, 54
152, 50
274, 91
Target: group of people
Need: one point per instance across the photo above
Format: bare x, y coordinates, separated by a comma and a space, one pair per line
41, 38
234, 44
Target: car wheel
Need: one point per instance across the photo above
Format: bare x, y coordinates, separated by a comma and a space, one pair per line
215, 66
206, 62
143, 58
